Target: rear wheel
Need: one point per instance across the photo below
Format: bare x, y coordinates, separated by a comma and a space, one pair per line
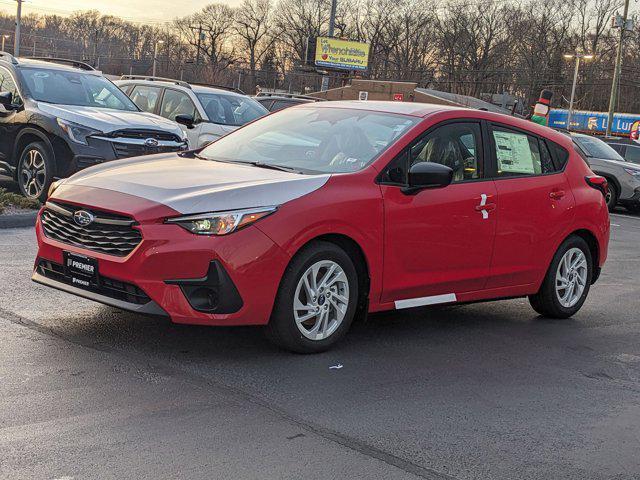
316, 301
612, 196
566, 284
35, 171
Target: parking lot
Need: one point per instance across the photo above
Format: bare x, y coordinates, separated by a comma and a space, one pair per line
475, 391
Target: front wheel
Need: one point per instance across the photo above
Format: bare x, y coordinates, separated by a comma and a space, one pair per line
35, 171
566, 284
317, 300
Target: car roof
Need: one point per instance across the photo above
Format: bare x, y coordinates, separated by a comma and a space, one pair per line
51, 65
177, 84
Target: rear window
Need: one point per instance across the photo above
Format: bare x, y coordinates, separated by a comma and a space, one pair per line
596, 148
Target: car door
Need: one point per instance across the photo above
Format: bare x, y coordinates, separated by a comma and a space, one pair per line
174, 103
438, 242
535, 204
8, 124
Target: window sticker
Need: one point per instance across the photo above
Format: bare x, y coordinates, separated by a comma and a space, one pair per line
513, 152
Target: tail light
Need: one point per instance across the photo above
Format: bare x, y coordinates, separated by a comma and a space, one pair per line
598, 182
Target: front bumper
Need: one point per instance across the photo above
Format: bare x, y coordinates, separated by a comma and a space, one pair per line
173, 268
632, 200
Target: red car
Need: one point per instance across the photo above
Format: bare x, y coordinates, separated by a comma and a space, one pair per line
307, 217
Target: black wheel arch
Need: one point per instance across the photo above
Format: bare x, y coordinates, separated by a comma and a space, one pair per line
29, 135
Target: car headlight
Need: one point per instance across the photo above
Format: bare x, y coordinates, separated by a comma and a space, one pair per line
221, 223
53, 187
77, 133
633, 171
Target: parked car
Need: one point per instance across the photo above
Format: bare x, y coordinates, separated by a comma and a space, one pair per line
623, 177
311, 215
277, 101
626, 148
206, 113
60, 116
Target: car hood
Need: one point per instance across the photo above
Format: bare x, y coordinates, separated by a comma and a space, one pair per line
189, 185
617, 162
109, 120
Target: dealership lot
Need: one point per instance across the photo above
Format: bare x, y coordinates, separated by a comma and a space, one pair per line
476, 391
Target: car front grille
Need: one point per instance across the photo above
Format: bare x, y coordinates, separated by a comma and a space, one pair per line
108, 287
135, 143
107, 233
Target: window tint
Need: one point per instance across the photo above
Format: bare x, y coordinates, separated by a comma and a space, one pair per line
145, 97
560, 155
280, 104
8, 85
455, 145
618, 147
632, 154
176, 103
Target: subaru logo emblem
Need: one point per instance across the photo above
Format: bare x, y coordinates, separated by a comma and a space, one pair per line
151, 143
83, 218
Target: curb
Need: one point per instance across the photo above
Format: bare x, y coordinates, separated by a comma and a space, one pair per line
18, 220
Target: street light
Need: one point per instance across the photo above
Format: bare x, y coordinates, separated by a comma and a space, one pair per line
578, 57
4, 37
155, 55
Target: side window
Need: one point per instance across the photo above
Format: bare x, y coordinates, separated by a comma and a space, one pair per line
456, 145
176, 103
280, 104
145, 97
7, 85
560, 155
632, 154
516, 153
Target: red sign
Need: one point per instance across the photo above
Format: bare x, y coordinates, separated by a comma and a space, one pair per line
398, 97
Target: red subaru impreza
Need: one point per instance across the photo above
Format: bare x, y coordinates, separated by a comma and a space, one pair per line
303, 219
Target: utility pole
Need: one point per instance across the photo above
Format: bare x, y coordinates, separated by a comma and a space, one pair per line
616, 71
16, 38
332, 24
34, 48
4, 37
199, 29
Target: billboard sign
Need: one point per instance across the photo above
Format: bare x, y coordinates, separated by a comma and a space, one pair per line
341, 54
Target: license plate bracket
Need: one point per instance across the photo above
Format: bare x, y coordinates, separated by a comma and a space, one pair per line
82, 270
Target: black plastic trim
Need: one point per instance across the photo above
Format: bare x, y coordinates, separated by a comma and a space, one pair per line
218, 282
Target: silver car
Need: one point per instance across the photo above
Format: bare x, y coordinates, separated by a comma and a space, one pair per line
623, 176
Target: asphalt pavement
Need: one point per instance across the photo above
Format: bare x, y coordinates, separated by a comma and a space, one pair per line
484, 391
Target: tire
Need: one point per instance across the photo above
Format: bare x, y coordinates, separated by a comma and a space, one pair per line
612, 196
289, 328
548, 301
35, 171
635, 208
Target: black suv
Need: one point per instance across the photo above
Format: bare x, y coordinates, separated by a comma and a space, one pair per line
58, 116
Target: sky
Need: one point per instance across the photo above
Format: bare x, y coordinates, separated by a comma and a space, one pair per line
147, 11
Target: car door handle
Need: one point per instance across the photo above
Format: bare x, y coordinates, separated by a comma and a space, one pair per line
557, 194
488, 207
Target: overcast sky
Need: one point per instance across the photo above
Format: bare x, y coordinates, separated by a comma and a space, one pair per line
152, 11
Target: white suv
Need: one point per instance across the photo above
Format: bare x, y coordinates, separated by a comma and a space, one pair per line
205, 113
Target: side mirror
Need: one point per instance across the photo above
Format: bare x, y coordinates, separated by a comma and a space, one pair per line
428, 175
186, 120
6, 100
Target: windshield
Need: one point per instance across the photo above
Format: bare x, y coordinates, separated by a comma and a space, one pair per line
313, 140
596, 148
232, 110
73, 88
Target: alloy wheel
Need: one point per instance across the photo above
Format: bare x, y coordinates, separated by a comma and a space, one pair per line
33, 174
321, 300
571, 277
